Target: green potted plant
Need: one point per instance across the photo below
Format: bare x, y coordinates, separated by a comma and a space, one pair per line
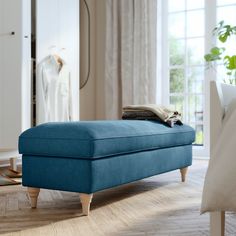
218, 55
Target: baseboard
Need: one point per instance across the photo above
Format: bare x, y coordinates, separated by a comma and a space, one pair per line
201, 158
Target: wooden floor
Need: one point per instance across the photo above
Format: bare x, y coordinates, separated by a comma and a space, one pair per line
160, 205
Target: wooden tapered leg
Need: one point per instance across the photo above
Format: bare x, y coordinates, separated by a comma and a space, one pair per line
86, 200
183, 172
217, 223
33, 194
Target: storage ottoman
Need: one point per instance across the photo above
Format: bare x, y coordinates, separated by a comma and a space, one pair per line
90, 156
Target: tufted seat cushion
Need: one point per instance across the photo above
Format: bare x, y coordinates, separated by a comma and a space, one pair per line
99, 139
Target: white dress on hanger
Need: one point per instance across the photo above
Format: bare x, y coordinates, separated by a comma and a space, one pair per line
53, 91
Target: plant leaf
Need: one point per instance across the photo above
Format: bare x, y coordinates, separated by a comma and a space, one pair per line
230, 62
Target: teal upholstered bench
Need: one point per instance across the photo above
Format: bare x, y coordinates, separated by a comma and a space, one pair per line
87, 157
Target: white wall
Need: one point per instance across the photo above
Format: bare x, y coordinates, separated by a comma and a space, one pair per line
57, 28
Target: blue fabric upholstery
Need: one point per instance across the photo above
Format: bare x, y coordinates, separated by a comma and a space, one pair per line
89, 176
99, 139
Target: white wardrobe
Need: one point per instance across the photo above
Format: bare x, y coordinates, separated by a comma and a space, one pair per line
15, 93
55, 25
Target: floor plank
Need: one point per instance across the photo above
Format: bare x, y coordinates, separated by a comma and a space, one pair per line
160, 205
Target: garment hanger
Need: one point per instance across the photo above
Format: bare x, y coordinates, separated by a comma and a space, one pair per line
58, 59
56, 56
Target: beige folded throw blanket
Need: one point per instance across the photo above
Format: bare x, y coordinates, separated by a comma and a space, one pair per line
165, 114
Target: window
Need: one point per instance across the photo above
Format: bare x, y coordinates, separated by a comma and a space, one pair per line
226, 11
185, 48
186, 38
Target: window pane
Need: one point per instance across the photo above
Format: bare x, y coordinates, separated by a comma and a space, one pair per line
195, 51
225, 2
176, 80
177, 51
178, 103
227, 14
177, 25
199, 138
230, 46
176, 5
195, 77
195, 4
195, 113
195, 27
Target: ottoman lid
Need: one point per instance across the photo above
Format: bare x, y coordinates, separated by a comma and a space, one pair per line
97, 139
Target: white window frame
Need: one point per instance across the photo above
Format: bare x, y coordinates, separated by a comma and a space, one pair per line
210, 23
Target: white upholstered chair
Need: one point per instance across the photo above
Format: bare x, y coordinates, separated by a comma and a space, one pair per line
220, 97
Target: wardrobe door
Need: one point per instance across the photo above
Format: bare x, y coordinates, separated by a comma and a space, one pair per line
15, 95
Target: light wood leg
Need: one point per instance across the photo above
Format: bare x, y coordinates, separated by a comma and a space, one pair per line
217, 223
183, 173
13, 163
33, 194
86, 200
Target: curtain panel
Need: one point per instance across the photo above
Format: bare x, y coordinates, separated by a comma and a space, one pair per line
131, 58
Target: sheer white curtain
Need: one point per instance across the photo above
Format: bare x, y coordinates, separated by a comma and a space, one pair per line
130, 70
